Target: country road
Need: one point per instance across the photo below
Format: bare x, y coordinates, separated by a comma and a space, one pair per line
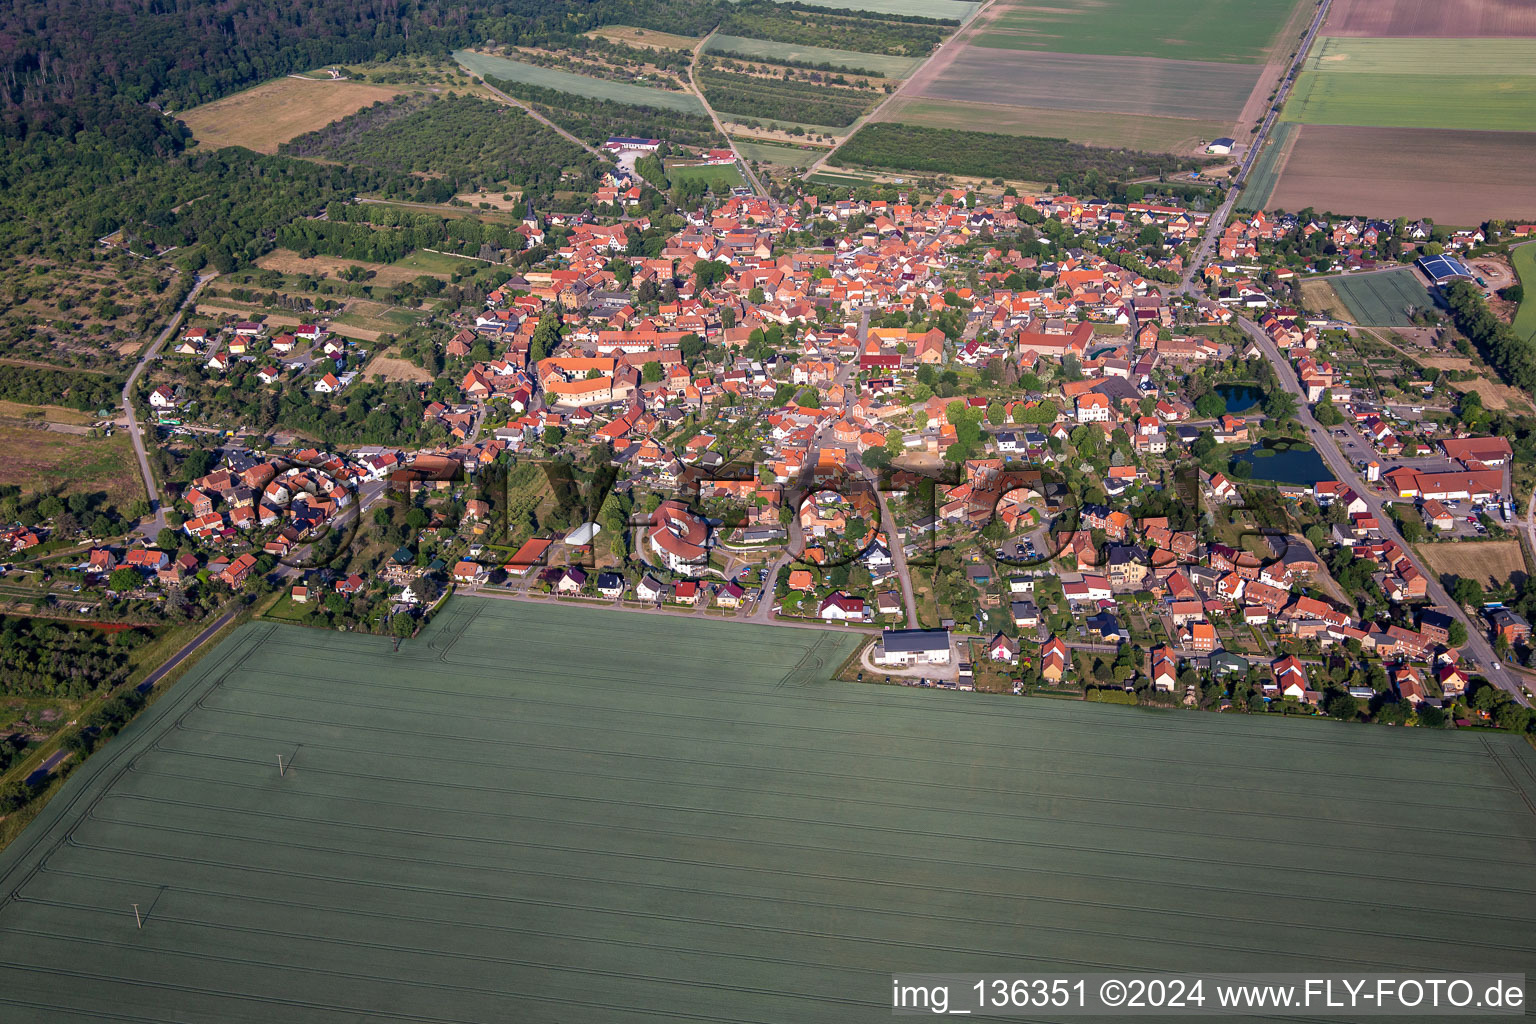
156, 520
693, 83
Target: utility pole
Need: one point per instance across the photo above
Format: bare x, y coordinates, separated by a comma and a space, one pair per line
280, 769
137, 918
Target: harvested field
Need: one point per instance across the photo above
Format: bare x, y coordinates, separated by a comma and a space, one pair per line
66, 462
1455, 177
1230, 31
1320, 296
1421, 101
1489, 562
644, 37
1064, 81
1432, 18
287, 261
688, 821
269, 115
1382, 299
577, 85
395, 369
1090, 127
1523, 259
1495, 395
767, 49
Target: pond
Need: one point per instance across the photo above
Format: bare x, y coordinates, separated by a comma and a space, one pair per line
1240, 397
1287, 461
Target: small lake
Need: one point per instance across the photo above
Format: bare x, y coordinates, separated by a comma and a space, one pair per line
1286, 461
1240, 397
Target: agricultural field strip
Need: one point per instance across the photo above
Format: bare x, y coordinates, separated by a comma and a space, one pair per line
1094, 128
1266, 171
1459, 102
768, 50
1379, 299
1431, 18
767, 152
638, 890
578, 85
1138, 85
1228, 31
952, 10
1523, 259
1344, 55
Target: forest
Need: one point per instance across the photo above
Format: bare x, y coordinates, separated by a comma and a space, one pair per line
47, 658
474, 142
831, 28
597, 120
784, 100
985, 155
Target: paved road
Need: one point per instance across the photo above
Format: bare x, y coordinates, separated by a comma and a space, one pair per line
546, 122
507, 595
1218, 219
192, 645
1478, 653
693, 83
156, 520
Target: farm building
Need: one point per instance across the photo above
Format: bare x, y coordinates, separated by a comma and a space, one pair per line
621, 142
1442, 270
1221, 147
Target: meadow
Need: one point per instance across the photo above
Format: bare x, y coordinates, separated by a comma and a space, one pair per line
1432, 99
889, 65
1090, 127
784, 156
263, 118
543, 813
1523, 259
1232, 31
39, 460
577, 85
1382, 299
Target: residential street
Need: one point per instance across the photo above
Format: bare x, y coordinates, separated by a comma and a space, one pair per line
1478, 653
693, 83
156, 519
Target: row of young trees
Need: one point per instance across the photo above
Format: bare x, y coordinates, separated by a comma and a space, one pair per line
1512, 355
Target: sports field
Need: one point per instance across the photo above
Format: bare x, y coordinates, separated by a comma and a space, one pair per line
716, 176
1383, 299
545, 813
768, 49
577, 85
1236, 31
1523, 259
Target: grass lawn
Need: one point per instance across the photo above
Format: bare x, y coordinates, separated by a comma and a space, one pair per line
424, 262
719, 176
556, 812
1524, 260
577, 85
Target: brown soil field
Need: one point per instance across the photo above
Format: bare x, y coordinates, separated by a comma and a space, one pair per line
1494, 394
1319, 295
1134, 85
395, 369
1436, 19
265, 117
1457, 178
1093, 128
286, 261
644, 37
1489, 562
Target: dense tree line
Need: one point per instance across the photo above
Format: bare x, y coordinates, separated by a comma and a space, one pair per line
49, 658
784, 100
463, 235
474, 142
1513, 356
598, 120
985, 155
32, 385
837, 29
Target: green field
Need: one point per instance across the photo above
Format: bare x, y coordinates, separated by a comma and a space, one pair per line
1352, 55
784, 156
952, 10
1381, 300
1266, 169
579, 85
1523, 257
544, 813
437, 263
717, 176
767, 49
1430, 100
1232, 31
